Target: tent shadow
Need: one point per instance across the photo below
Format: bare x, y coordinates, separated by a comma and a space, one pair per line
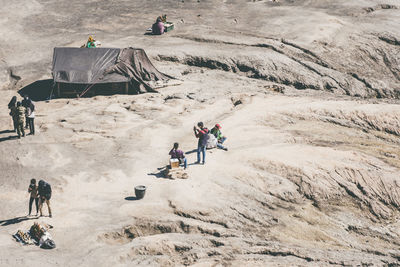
16, 220
131, 198
40, 90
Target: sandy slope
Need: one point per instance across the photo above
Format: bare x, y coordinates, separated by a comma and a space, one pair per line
310, 178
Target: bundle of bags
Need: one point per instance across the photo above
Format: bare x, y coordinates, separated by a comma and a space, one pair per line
38, 235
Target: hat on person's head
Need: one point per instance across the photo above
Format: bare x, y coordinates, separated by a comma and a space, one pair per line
218, 126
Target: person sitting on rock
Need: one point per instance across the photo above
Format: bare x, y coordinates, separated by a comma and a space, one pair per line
176, 153
216, 131
158, 27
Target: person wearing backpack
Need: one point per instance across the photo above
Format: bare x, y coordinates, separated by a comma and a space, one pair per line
44, 192
201, 133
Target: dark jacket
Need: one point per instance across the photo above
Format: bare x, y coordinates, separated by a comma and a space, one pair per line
27, 103
12, 103
44, 190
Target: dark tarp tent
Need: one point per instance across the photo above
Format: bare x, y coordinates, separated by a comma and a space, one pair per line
78, 71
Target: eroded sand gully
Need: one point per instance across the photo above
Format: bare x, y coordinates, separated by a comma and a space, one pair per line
312, 119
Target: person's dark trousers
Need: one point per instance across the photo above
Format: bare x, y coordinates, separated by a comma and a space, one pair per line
36, 204
20, 129
26, 122
15, 124
201, 149
31, 125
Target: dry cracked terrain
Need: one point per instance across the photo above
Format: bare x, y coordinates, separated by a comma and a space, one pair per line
307, 93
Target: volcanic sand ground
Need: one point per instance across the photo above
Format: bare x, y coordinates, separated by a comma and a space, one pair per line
308, 102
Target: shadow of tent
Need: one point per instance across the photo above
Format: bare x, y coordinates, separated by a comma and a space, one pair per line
39, 90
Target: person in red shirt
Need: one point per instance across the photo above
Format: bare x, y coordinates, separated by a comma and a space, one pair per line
201, 133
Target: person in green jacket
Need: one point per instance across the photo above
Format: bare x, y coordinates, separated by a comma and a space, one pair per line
216, 131
91, 43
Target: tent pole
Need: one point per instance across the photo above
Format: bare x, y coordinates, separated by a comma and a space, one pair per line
126, 88
58, 90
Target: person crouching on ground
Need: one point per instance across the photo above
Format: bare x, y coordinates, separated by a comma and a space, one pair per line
176, 153
216, 131
33, 189
44, 192
202, 134
158, 27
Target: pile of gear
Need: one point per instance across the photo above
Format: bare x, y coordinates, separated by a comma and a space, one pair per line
175, 173
37, 235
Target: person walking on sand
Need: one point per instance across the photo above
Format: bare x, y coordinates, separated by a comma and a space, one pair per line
18, 114
44, 192
201, 133
176, 153
11, 105
33, 189
216, 131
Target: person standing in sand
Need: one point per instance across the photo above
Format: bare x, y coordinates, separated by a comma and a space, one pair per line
30, 117
27, 103
33, 189
44, 192
202, 134
18, 114
11, 105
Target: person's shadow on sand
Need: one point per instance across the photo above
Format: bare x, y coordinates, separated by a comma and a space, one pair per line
2, 139
131, 198
16, 220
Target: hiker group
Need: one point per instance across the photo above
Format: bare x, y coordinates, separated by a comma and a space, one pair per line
206, 140
22, 112
40, 194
